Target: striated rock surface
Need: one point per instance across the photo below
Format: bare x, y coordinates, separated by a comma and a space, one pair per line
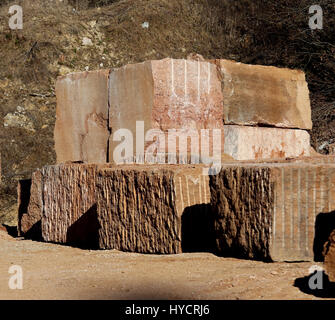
81, 130
250, 143
147, 208
262, 95
277, 211
69, 205
142, 208
167, 94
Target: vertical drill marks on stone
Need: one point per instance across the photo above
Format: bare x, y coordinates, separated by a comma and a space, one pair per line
130, 208
140, 208
69, 204
273, 211
167, 95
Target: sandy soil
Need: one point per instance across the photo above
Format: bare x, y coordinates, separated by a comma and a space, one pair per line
58, 272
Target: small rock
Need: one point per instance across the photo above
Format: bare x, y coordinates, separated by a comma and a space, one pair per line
92, 23
145, 25
87, 42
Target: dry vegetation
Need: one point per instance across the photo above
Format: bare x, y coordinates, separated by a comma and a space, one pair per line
51, 43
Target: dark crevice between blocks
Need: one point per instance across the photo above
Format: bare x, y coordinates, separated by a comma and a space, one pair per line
197, 229
84, 233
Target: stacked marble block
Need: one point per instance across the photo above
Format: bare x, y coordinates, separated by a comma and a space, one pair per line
154, 107
266, 111
262, 112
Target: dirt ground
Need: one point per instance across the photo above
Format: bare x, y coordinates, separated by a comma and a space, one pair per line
59, 272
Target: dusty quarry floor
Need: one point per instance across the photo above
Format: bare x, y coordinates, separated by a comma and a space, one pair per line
58, 272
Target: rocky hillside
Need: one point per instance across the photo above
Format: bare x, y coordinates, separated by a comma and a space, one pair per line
60, 37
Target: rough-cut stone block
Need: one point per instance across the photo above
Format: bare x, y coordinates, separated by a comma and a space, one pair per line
249, 143
153, 209
273, 211
68, 200
81, 130
30, 206
265, 95
165, 94
69, 204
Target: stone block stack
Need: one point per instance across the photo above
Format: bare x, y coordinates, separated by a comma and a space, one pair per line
177, 106
157, 106
266, 111
131, 208
135, 147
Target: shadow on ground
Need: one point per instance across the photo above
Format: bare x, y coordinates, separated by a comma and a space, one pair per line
84, 233
305, 285
12, 231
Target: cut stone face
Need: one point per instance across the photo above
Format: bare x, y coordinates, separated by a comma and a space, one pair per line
81, 130
250, 143
171, 102
164, 95
271, 211
154, 209
255, 95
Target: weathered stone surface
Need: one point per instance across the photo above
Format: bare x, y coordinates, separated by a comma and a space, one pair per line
69, 204
172, 203
81, 130
30, 206
249, 143
153, 209
273, 211
165, 94
264, 95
